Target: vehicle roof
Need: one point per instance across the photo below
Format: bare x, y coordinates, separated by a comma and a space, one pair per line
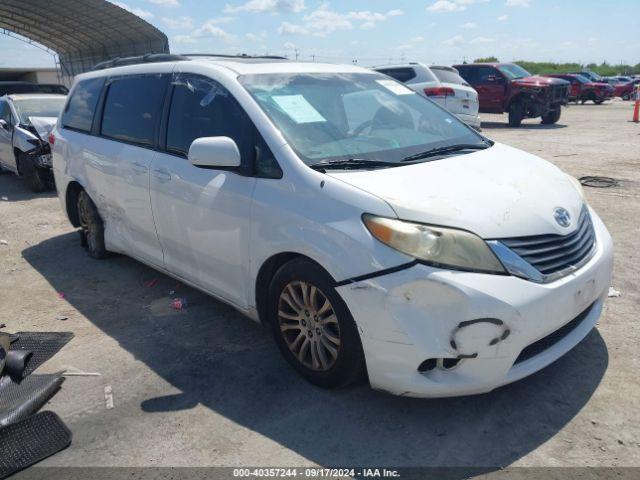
484, 64
238, 65
20, 96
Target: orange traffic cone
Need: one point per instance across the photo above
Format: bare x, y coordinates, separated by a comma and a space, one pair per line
636, 108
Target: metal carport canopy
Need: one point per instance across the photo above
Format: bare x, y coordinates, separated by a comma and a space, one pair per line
82, 32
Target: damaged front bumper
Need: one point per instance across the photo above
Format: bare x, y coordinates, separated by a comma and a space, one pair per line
493, 327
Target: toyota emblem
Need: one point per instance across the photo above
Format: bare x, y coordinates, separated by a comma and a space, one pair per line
562, 216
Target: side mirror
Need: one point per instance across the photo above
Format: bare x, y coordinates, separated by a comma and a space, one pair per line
214, 152
4, 124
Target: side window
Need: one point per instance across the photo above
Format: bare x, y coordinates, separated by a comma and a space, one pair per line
470, 74
132, 108
485, 74
5, 112
78, 114
201, 107
400, 74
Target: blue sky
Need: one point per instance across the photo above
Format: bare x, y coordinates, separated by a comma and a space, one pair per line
377, 31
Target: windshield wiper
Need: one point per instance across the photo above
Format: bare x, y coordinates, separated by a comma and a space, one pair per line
352, 163
444, 150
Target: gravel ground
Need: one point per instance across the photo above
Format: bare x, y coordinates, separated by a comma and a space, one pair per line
206, 387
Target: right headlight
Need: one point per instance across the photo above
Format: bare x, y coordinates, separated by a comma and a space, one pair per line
439, 246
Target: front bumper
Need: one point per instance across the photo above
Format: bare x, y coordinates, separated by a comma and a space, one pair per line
413, 315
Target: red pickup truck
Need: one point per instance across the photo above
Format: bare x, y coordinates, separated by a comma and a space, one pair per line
507, 87
582, 89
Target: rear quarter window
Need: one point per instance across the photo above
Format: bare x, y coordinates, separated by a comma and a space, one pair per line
78, 114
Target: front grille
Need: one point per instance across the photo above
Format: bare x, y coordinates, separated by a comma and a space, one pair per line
553, 253
554, 337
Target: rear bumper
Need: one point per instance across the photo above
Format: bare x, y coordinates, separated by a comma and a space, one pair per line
415, 314
471, 120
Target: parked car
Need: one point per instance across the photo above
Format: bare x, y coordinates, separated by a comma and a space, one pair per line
594, 77
613, 81
359, 221
507, 87
9, 87
627, 90
25, 122
441, 84
582, 89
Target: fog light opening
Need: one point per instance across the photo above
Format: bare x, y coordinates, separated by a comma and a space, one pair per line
428, 365
440, 363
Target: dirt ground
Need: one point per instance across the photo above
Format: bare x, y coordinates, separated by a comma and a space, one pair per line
206, 387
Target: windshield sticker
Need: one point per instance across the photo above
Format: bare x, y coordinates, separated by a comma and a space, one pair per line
298, 108
395, 87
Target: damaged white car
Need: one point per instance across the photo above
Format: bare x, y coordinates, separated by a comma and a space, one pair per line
373, 232
25, 123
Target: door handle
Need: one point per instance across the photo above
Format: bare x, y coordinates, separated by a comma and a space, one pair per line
139, 168
162, 175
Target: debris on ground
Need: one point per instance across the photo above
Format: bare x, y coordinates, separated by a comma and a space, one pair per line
4, 242
179, 303
60, 294
61, 317
108, 397
151, 283
613, 292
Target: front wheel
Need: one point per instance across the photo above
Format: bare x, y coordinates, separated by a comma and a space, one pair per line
516, 114
312, 325
36, 177
551, 117
92, 227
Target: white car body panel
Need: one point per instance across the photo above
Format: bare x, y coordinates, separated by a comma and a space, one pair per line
215, 229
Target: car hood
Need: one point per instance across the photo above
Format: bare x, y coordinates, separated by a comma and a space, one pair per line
496, 193
43, 125
537, 81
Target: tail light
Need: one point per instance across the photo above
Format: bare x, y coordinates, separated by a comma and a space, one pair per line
439, 92
52, 138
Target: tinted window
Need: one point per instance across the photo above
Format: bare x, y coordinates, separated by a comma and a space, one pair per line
448, 76
468, 73
79, 111
132, 108
400, 74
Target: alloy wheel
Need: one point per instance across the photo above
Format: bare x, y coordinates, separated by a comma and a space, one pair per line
309, 325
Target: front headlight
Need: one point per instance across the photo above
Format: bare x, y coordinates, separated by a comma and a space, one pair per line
438, 246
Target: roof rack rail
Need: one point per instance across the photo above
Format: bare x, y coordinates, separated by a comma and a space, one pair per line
240, 55
148, 58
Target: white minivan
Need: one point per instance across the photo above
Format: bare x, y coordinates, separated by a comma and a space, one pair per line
373, 232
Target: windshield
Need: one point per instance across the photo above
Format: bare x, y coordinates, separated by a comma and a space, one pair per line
38, 107
336, 116
513, 71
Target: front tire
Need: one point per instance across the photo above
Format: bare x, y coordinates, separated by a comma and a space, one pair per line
516, 114
37, 178
312, 325
92, 227
552, 117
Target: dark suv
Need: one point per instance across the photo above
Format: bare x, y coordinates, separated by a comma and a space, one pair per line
506, 87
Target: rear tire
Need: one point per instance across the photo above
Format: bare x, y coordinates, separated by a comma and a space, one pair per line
516, 114
312, 325
552, 117
92, 233
37, 178
598, 102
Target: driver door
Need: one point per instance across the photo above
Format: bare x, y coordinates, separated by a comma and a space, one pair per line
491, 88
